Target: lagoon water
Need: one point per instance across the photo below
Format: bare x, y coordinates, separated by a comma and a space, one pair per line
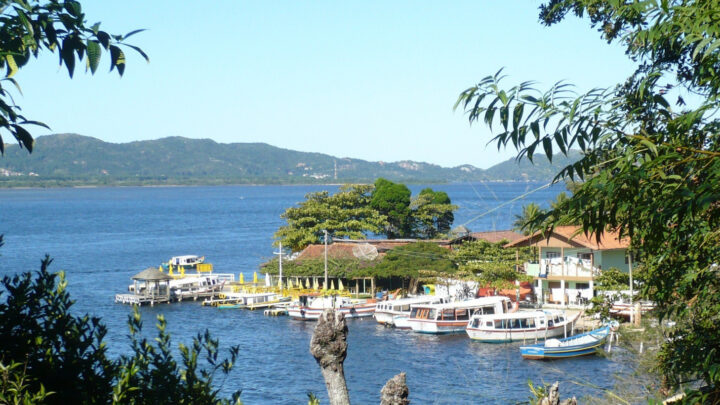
102, 236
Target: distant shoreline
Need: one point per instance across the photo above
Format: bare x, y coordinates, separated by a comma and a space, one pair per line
90, 186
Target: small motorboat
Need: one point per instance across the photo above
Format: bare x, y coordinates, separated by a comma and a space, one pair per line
578, 345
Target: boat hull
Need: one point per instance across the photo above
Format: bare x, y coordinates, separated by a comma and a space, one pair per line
312, 314
515, 335
566, 348
437, 327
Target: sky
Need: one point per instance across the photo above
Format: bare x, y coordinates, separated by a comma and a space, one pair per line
373, 80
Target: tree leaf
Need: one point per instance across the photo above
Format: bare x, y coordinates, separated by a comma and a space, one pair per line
131, 33
104, 39
24, 137
117, 58
12, 67
67, 55
93, 55
547, 145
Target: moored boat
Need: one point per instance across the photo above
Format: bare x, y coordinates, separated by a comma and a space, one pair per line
250, 300
522, 325
396, 312
310, 307
195, 286
453, 317
574, 346
187, 262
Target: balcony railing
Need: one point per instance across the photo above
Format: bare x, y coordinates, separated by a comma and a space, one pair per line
570, 266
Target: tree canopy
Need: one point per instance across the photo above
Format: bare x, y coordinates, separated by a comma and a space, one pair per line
357, 211
393, 201
346, 213
432, 214
29, 27
650, 161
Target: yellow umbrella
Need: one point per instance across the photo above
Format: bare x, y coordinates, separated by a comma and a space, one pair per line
279, 282
290, 284
341, 287
242, 278
307, 283
316, 286
255, 277
332, 284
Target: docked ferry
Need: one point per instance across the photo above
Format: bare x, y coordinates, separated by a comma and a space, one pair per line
309, 307
522, 325
397, 312
453, 317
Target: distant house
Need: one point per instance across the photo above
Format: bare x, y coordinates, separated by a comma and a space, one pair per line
569, 260
496, 236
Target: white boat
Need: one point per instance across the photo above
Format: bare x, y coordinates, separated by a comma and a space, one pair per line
251, 300
522, 325
397, 312
310, 307
453, 317
186, 262
194, 286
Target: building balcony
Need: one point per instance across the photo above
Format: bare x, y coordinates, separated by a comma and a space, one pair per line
570, 267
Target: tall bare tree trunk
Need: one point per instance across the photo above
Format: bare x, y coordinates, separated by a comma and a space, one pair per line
329, 347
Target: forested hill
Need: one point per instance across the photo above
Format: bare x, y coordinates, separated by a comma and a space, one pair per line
69, 159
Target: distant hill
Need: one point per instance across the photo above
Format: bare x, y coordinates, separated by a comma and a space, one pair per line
70, 159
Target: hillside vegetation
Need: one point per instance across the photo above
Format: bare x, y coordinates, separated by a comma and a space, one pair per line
70, 159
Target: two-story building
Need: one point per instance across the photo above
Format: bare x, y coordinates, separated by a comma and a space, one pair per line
569, 260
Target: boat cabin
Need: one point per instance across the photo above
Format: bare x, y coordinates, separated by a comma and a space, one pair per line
461, 310
186, 261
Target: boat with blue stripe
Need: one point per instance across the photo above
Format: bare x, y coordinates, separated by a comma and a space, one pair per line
579, 345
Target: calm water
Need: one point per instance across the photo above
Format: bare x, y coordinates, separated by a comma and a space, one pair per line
101, 237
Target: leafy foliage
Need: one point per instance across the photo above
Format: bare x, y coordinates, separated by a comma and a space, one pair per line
393, 201
611, 279
345, 268
29, 27
432, 213
64, 353
346, 213
490, 264
151, 375
526, 222
50, 356
650, 168
357, 210
15, 386
415, 260
426, 216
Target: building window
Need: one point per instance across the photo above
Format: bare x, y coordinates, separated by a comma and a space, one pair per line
582, 286
552, 255
584, 256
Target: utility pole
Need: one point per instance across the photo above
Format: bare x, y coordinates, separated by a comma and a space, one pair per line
280, 253
632, 309
325, 286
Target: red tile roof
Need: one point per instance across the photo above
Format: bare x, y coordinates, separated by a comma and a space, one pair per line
574, 234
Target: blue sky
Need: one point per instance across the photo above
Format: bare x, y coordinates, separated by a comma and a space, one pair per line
374, 80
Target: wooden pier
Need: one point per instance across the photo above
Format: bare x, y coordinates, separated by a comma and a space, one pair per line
134, 299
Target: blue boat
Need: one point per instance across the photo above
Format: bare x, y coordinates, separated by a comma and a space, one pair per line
578, 345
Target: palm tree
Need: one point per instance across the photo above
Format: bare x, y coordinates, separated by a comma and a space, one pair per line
525, 222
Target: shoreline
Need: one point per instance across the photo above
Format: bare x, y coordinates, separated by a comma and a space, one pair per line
91, 186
